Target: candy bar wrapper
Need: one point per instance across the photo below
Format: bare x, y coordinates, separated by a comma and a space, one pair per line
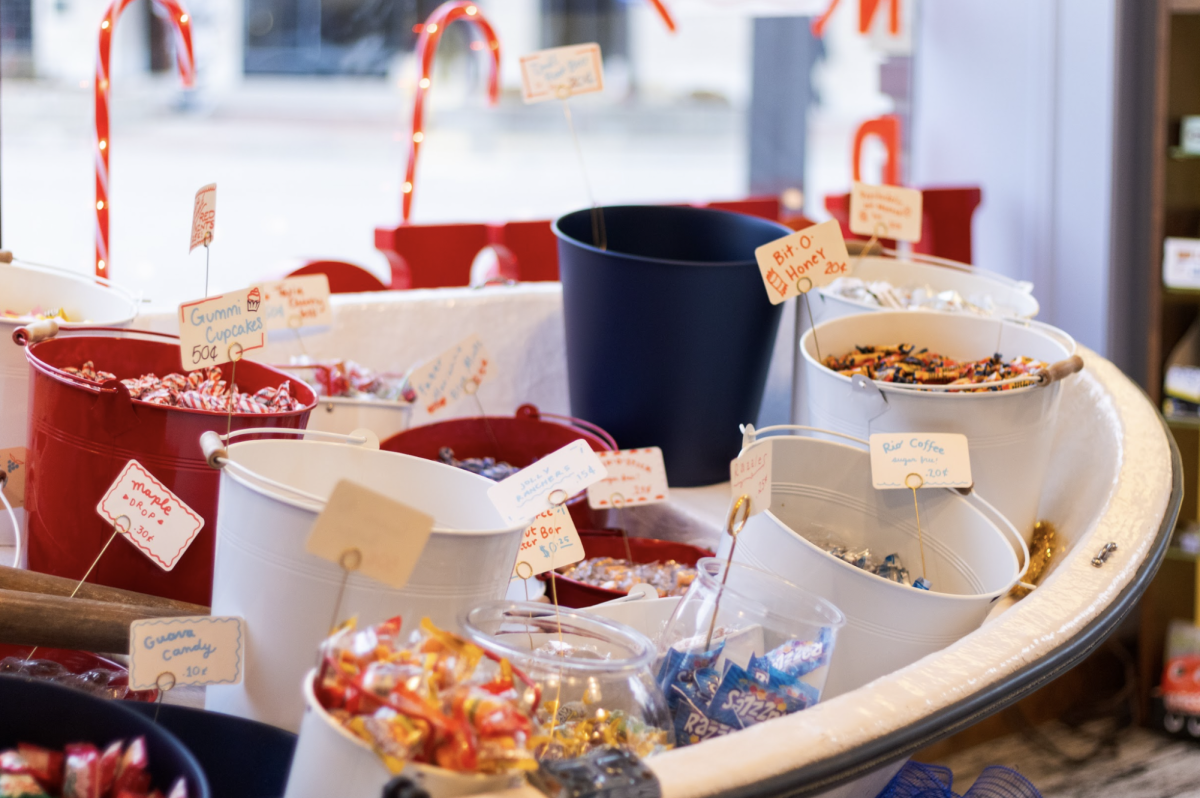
110, 760
741, 701
20, 785
12, 762
676, 675
81, 777
797, 658
693, 726
44, 765
131, 770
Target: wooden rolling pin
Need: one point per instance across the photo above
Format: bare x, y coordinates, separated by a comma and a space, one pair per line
33, 582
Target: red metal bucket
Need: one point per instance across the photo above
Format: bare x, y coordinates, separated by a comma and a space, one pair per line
520, 440
609, 543
82, 434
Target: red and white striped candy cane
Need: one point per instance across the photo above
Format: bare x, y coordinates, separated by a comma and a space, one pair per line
181, 23
427, 41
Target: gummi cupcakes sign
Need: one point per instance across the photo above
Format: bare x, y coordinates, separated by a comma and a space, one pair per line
221, 328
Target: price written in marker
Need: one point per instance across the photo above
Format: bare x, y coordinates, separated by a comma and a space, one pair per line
195, 650
561, 72
204, 216
750, 475
796, 263
161, 526
388, 534
210, 328
635, 476
939, 459
297, 302
13, 462
885, 211
550, 542
446, 379
522, 496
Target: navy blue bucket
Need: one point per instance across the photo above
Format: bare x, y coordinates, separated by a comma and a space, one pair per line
669, 330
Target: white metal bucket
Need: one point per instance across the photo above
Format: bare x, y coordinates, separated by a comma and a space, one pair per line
822, 489
23, 286
330, 761
344, 415
271, 492
1010, 432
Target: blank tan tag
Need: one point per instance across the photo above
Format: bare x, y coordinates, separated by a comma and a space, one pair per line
388, 535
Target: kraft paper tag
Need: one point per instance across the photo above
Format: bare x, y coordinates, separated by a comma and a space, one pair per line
160, 525
886, 212
196, 650
297, 302
750, 475
635, 476
920, 460
204, 216
561, 72
528, 492
816, 254
12, 460
550, 542
388, 535
457, 372
212, 330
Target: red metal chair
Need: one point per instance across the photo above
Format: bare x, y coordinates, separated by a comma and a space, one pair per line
344, 278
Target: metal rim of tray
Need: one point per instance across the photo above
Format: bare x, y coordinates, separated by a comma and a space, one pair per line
846, 767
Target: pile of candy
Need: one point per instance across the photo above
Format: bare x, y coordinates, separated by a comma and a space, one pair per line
707, 701
203, 389
668, 578
438, 699
890, 567
483, 466
904, 363
577, 729
80, 771
885, 295
350, 380
100, 682
37, 314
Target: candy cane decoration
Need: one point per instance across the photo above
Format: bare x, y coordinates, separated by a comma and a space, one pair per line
427, 42
667, 19
180, 21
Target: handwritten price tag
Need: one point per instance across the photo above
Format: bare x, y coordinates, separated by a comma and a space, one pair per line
204, 215
448, 377
750, 475
160, 524
197, 651
526, 493
635, 476
297, 302
13, 462
920, 460
885, 211
550, 542
561, 72
211, 330
816, 254
388, 535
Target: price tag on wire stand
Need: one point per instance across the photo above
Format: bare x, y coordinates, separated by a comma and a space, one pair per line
212, 330
561, 72
297, 302
750, 476
12, 462
160, 525
194, 650
550, 542
885, 212
204, 216
799, 262
386, 536
635, 477
911, 460
453, 374
551, 480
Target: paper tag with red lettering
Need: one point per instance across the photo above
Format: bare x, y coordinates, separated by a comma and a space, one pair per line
12, 461
635, 476
297, 302
204, 216
561, 72
799, 262
920, 460
531, 490
750, 476
885, 211
457, 372
159, 523
550, 542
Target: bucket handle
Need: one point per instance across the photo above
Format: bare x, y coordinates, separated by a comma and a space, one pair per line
1024, 286
7, 257
587, 426
48, 328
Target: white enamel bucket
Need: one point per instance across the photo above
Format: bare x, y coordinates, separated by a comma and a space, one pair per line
344, 415
821, 490
270, 494
331, 761
1010, 432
